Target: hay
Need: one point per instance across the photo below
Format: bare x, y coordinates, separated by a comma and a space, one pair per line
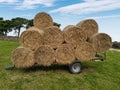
45, 55
65, 54
85, 51
32, 38
74, 35
89, 26
53, 36
22, 57
42, 20
101, 41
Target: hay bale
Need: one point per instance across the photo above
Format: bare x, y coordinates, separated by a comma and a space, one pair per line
101, 41
45, 55
89, 26
22, 57
85, 51
42, 20
32, 38
65, 54
53, 36
74, 35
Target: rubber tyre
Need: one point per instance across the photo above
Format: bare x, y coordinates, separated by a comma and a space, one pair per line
75, 68
102, 59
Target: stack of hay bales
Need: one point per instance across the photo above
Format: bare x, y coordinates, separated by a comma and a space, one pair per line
100, 41
45, 44
37, 42
76, 36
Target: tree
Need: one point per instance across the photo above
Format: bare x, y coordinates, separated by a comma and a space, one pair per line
18, 23
29, 23
56, 24
116, 45
1, 18
5, 26
1, 28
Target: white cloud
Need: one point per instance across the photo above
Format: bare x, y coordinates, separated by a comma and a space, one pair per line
89, 6
31, 4
89, 0
8, 1
104, 17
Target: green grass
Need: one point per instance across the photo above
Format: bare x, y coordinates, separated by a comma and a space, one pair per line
94, 76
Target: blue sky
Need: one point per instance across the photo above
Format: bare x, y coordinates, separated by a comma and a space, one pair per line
68, 12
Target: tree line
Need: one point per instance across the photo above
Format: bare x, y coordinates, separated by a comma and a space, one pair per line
15, 24
116, 45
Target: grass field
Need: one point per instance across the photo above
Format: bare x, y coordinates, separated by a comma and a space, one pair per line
94, 76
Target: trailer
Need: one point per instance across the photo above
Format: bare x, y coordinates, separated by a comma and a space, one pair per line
75, 67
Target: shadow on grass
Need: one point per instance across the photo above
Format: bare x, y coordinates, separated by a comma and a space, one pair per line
46, 69
86, 67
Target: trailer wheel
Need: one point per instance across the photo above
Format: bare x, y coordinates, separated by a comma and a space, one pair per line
75, 67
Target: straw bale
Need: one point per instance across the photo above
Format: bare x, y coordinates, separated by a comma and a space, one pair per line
85, 51
22, 57
42, 20
53, 36
74, 35
65, 54
32, 38
101, 41
89, 26
45, 55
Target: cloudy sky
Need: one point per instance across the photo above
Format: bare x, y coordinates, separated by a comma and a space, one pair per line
68, 12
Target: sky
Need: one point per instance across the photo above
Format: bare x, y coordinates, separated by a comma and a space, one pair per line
68, 12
